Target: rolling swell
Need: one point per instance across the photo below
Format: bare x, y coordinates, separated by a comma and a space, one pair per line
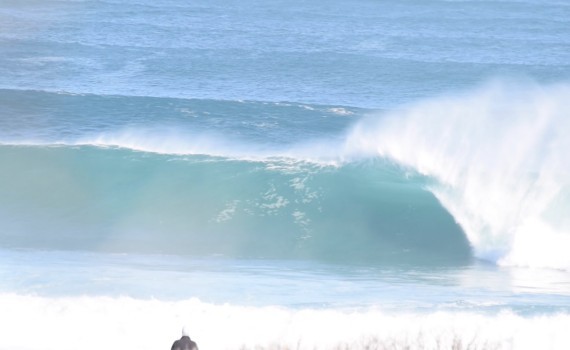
120, 200
48, 117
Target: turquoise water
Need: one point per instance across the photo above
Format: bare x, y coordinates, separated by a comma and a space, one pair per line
322, 175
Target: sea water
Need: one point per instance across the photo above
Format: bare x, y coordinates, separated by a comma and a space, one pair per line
360, 174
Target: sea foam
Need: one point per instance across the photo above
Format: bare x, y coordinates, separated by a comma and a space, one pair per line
120, 323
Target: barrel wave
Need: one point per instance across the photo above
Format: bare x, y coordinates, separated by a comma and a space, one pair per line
477, 174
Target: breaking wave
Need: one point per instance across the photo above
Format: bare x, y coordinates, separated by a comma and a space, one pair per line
499, 159
362, 185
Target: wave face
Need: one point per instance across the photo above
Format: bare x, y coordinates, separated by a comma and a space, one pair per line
111, 199
235, 178
498, 156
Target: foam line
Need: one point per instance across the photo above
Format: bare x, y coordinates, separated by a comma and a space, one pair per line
30, 322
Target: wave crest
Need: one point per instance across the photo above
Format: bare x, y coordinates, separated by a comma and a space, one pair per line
498, 156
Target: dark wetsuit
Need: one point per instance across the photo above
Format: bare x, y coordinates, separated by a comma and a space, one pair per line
184, 343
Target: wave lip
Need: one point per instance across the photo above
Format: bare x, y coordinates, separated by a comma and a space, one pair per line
173, 142
499, 163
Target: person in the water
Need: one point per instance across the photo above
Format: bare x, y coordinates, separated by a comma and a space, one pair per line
184, 343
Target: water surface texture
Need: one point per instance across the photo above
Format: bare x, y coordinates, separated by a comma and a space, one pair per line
285, 174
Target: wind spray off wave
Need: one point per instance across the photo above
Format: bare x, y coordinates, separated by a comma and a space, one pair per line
499, 160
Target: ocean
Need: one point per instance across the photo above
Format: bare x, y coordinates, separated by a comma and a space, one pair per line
364, 174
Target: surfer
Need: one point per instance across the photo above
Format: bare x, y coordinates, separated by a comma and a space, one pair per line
184, 343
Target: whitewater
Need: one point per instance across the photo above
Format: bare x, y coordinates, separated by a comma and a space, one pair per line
285, 175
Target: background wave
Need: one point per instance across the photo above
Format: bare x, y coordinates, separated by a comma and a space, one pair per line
43, 117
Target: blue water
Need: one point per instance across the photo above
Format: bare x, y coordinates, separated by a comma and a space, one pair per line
310, 175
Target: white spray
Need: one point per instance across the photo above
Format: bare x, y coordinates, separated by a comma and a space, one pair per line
499, 158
